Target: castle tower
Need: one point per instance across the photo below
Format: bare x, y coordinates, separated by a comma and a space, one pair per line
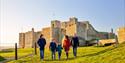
32, 29
87, 30
33, 37
71, 27
73, 19
21, 40
55, 30
29, 38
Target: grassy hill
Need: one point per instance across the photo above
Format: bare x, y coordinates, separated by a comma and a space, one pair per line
9, 53
93, 54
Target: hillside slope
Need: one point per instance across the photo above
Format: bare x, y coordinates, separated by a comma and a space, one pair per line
109, 54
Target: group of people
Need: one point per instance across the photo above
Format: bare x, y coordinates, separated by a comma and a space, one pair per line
57, 47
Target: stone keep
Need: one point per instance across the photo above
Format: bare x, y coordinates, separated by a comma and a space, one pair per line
58, 29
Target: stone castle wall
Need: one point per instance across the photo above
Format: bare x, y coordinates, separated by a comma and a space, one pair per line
21, 40
105, 41
58, 29
46, 34
55, 30
71, 28
28, 39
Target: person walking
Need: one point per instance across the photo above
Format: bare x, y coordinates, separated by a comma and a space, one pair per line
52, 47
66, 45
59, 50
41, 42
75, 44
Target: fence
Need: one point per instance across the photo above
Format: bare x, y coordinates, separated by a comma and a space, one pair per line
16, 53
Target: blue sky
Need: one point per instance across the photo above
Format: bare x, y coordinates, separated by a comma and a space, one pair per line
21, 15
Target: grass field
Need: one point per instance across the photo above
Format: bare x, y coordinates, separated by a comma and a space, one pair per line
9, 53
91, 54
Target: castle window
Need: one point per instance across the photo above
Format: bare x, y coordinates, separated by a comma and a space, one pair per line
69, 25
52, 25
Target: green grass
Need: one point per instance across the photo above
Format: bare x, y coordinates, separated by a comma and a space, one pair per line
2, 58
91, 54
9, 53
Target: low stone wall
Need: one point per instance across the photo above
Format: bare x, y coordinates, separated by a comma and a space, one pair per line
121, 34
105, 41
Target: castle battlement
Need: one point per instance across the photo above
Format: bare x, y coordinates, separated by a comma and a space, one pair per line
84, 30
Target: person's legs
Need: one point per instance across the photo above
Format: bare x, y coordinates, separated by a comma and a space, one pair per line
66, 50
54, 55
75, 51
67, 54
42, 54
59, 55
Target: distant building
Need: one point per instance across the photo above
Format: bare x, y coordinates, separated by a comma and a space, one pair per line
58, 29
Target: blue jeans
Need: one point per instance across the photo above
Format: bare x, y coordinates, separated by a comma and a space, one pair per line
59, 55
53, 55
42, 54
75, 51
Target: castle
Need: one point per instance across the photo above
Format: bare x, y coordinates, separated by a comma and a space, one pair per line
83, 29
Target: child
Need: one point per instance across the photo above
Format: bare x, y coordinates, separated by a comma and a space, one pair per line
52, 47
59, 49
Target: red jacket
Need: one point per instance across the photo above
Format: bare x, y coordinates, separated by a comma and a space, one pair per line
66, 44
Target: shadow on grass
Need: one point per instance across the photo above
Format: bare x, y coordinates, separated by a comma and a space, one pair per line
63, 59
97, 53
2, 58
88, 55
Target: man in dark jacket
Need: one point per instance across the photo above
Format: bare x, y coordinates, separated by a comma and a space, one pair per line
41, 42
75, 44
